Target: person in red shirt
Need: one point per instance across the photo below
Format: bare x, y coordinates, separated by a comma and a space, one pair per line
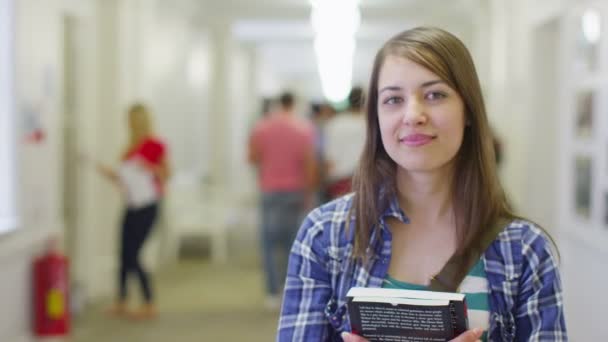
281, 147
141, 177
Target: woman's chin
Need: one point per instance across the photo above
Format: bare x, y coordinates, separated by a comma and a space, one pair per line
421, 166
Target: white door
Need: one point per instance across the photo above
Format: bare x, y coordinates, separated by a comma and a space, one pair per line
541, 202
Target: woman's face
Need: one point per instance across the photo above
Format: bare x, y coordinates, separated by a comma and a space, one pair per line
421, 118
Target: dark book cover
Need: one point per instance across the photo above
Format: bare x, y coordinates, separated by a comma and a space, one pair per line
405, 315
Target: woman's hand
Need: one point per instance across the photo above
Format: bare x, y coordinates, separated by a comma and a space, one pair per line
472, 335
108, 173
348, 337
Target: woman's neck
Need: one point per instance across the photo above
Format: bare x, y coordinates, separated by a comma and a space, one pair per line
425, 196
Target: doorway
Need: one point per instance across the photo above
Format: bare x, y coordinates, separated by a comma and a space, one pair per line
541, 202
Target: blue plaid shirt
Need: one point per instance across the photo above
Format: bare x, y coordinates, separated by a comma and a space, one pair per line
526, 301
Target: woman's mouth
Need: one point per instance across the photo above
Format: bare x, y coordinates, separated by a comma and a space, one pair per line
415, 140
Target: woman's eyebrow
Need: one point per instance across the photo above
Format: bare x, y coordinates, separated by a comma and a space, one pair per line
430, 83
423, 85
389, 88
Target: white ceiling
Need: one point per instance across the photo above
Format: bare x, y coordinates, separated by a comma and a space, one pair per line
280, 33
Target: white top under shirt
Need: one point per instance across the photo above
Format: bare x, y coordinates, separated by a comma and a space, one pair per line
344, 140
138, 183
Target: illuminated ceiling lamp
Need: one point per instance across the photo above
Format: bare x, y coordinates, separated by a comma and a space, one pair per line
591, 24
335, 24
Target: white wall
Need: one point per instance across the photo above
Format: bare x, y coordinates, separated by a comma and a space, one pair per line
8, 207
38, 103
244, 107
527, 114
511, 92
117, 65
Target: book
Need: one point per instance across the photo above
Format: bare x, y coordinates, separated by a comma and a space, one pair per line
396, 315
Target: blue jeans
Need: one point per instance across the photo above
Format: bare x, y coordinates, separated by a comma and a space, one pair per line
281, 217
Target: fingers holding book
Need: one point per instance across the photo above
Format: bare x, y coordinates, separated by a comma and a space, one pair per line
472, 335
350, 337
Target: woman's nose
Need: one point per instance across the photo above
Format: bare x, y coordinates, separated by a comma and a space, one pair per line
414, 114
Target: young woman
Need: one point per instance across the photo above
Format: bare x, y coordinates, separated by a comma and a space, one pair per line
425, 190
141, 177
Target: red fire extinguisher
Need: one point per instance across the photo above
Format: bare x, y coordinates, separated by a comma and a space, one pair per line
51, 306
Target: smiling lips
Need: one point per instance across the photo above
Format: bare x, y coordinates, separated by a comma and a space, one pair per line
415, 140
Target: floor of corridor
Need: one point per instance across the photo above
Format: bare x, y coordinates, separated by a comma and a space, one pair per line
198, 301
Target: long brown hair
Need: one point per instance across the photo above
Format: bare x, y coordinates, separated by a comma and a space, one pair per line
478, 197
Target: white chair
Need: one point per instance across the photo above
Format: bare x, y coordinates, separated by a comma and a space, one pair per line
191, 212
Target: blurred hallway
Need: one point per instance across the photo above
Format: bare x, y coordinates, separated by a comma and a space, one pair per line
69, 69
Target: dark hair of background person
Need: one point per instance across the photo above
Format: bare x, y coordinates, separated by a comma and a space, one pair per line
287, 100
356, 98
315, 109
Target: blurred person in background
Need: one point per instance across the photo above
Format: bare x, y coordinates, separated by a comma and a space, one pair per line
281, 147
498, 148
426, 194
141, 177
344, 140
321, 113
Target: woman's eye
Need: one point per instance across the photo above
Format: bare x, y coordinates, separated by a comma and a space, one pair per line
392, 100
435, 95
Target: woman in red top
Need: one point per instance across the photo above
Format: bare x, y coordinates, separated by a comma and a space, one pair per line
141, 177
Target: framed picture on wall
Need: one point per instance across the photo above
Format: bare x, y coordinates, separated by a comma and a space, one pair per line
584, 114
587, 41
582, 188
583, 157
